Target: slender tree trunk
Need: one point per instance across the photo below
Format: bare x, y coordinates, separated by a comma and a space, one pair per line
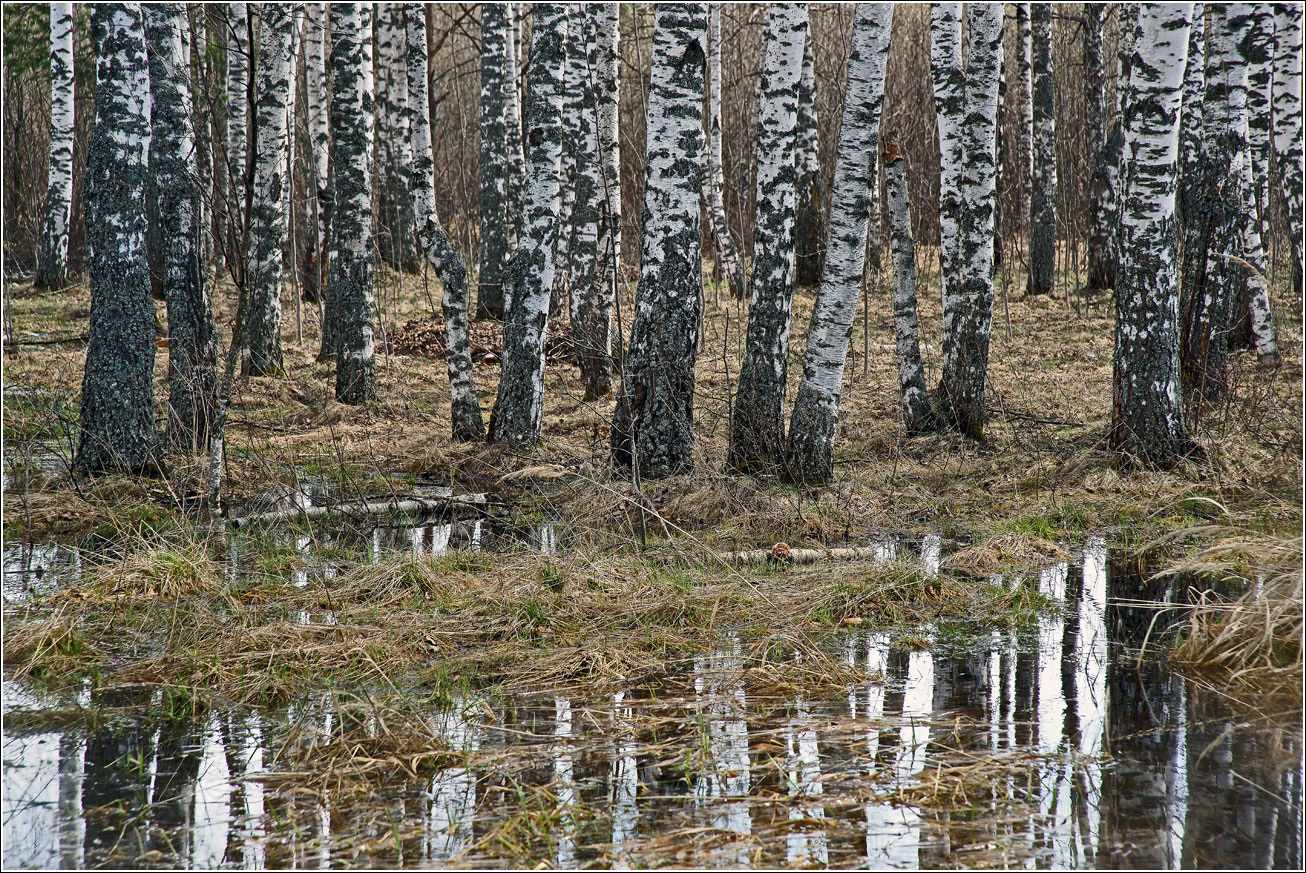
1260, 110
1043, 196
192, 344
1104, 251
815, 418
213, 49
239, 63
757, 430
520, 401
319, 141
516, 150
917, 412
498, 225
1147, 422
1288, 120
714, 189
117, 404
465, 408
653, 424
1025, 68
349, 273
950, 109
1188, 197
396, 226
596, 312
268, 218
1212, 276
1095, 135
807, 222
573, 76
966, 334
52, 263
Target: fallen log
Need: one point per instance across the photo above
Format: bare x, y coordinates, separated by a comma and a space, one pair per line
777, 555
409, 506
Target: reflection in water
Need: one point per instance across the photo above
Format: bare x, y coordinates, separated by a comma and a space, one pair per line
1124, 764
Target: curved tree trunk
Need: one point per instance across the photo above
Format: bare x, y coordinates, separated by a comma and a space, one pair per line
1043, 195
117, 404
1211, 276
1288, 119
268, 216
520, 401
727, 250
192, 344
966, 334
52, 263
1147, 422
498, 226
239, 63
757, 428
349, 273
653, 424
950, 109
812, 428
807, 221
465, 409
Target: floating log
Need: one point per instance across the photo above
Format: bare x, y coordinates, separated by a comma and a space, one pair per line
478, 503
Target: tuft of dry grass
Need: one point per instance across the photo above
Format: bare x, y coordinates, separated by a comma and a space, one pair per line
1005, 552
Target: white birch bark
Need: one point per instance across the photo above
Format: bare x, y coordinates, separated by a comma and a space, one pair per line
653, 424
573, 76
917, 412
949, 107
394, 154
465, 408
808, 204
516, 157
52, 263
757, 423
498, 221
1043, 194
116, 416
1288, 114
966, 334
239, 64
319, 139
1095, 137
520, 401
349, 272
1258, 50
1148, 413
813, 426
268, 216
1025, 70
726, 248
597, 320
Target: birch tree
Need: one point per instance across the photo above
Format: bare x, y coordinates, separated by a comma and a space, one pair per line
349, 271
966, 332
807, 220
1288, 118
1147, 421
1104, 249
1259, 49
653, 424
1043, 194
757, 424
1025, 69
116, 416
596, 317
714, 189
949, 108
52, 262
394, 158
573, 138
319, 140
192, 344
239, 64
465, 408
268, 215
1095, 134
1211, 275
917, 412
516, 157
812, 428
498, 227
520, 401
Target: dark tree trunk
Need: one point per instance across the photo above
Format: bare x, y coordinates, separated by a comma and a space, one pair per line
809, 254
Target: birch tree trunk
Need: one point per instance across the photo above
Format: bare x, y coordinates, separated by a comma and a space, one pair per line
465, 408
349, 272
498, 225
813, 426
1095, 135
966, 334
917, 412
192, 343
1043, 194
757, 428
950, 109
653, 424
596, 319
573, 76
52, 262
117, 403
1189, 193
396, 226
1147, 422
1260, 110
1288, 119
807, 221
268, 216
516, 153
520, 401
239, 64
1104, 249
1211, 275
1025, 68
726, 248
319, 140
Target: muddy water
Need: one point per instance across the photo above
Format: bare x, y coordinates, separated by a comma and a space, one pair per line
1051, 747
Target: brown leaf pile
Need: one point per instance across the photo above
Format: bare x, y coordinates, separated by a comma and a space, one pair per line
425, 337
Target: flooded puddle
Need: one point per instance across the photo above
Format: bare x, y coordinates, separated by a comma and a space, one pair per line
1054, 746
